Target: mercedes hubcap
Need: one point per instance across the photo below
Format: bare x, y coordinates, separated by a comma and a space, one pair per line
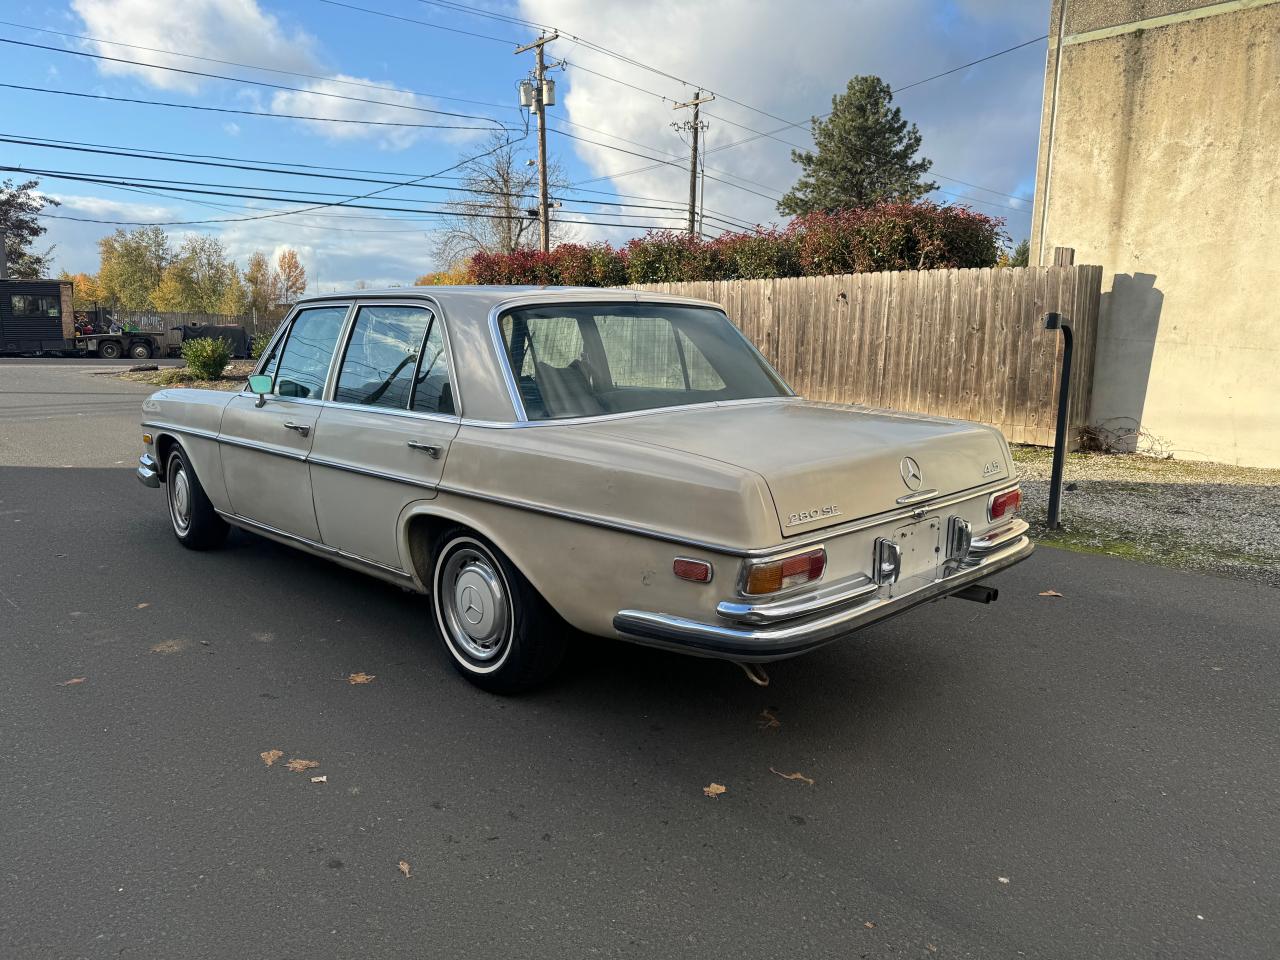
180, 500
474, 602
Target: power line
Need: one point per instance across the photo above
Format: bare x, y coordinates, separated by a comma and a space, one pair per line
255, 66
246, 113
424, 23
256, 83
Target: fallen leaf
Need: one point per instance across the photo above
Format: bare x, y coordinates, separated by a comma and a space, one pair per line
1050, 593
73, 681
931, 948
301, 766
361, 678
142, 606
793, 776
169, 646
404, 867
870, 925
768, 721
1003, 879
714, 789
271, 756
320, 779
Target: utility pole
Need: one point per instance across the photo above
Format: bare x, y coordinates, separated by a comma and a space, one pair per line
695, 126
4, 256
541, 96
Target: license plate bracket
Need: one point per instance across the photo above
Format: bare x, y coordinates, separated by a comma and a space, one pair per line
920, 546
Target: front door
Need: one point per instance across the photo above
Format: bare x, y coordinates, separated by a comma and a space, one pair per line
265, 449
382, 441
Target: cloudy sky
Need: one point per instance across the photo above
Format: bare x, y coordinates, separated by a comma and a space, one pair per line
441, 75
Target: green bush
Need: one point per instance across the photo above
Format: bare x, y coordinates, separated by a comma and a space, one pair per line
257, 344
207, 358
173, 375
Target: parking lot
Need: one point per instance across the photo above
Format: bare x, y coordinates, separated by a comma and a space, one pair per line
1087, 775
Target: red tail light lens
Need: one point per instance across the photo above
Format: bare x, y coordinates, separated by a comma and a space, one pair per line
1004, 504
770, 576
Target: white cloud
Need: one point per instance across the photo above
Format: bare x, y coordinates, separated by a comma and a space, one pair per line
788, 59
315, 104
224, 29
104, 208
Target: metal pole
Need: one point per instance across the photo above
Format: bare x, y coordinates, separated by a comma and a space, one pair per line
1057, 321
544, 221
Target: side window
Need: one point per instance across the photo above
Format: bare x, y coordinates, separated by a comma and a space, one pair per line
304, 362
24, 305
382, 354
432, 389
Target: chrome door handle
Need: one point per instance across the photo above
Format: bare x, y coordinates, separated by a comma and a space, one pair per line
431, 451
302, 428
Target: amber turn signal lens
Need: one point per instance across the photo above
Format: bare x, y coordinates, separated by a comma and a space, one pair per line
146, 438
1003, 504
774, 575
698, 571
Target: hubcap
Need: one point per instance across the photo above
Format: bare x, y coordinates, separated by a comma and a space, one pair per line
474, 603
180, 499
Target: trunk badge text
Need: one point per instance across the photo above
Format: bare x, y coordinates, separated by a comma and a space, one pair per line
991, 468
912, 475
817, 513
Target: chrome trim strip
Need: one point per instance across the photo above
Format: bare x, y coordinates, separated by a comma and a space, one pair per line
394, 412
994, 539
367, 472
839, 593
321, 548
794, 637
262, 448
193, 431
917, 496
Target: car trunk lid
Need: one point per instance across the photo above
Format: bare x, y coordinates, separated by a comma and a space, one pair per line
827, 463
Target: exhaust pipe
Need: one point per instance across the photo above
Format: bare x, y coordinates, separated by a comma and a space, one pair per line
978, 593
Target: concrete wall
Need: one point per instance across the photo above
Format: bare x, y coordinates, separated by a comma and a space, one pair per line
1160, 160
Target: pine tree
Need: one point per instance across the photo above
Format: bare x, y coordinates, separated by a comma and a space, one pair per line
866, 154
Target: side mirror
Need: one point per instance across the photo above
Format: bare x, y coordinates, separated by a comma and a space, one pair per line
261, 385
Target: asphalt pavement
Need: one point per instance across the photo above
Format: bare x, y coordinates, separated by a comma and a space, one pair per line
1094, 775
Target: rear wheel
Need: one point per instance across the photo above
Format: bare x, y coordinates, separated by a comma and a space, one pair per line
500, 633
140, 350
195, 523
109, 350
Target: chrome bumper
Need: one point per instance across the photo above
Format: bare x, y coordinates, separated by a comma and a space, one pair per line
745, 640
148, 471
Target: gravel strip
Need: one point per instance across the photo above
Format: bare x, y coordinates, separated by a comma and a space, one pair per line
1200, 516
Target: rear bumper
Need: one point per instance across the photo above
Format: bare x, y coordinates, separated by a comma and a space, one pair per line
747, 642
148, 471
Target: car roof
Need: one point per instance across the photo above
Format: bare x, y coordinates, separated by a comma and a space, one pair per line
472, 300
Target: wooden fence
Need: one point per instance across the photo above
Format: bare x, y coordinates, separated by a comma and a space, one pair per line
957, 343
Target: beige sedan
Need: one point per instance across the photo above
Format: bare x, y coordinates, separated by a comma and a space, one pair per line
624, 463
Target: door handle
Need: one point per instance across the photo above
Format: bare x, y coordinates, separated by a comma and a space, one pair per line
431, 451
302, 428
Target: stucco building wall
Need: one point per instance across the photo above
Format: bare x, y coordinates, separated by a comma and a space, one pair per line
1160, 160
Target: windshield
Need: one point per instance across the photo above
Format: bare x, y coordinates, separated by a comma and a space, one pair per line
585, 360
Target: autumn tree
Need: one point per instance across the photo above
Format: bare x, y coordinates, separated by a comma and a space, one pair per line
20, 207
263, 285
866, 153
84, 290
131, 266
199, 278
491, 211
293, 277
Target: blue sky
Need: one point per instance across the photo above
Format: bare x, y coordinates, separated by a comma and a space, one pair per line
768, 63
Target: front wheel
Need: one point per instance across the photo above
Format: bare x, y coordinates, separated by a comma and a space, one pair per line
195, 523
500, 633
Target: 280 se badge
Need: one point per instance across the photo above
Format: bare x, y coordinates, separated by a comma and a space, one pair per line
817, 513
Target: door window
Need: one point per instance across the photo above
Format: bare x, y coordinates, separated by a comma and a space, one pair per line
432, 390
382, 355
303, 366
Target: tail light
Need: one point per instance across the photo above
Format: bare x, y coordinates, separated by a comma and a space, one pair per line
771, 576
1004, 504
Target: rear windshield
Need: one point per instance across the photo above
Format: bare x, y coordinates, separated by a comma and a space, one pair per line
585, 360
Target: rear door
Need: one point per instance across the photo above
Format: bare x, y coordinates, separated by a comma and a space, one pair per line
382, 440
265, 449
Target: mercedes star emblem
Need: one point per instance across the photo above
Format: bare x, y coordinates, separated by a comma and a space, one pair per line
911, 473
